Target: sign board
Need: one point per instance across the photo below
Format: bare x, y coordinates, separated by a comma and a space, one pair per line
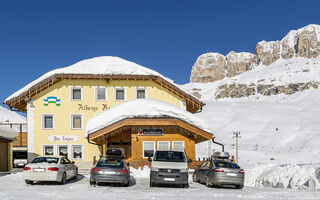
150, 131
62, 138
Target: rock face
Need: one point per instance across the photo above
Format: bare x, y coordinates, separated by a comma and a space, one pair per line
304, 42
243, 90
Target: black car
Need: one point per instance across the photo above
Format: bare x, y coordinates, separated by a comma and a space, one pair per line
111, 169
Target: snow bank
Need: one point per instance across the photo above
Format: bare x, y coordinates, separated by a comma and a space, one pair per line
304, 176
138, 173
8, 133
142, 108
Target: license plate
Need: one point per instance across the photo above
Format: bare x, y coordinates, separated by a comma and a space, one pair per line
231, 174
109, 172
38, 170
169, 179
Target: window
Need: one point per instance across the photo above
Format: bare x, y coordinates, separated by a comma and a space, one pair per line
141, 93
65, 161
48, 150
148, 149
77, 152
76, 121
101, 94
178, 145
47, 121
163, 145
120, 94
76, 93
63, 151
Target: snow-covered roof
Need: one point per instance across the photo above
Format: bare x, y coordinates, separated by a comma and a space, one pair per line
98, 66
8, 116
104, 65
143, 108
8, 133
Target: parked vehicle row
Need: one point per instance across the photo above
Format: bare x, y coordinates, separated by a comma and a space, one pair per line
167, 167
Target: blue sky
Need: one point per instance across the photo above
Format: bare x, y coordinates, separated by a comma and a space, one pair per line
167, 36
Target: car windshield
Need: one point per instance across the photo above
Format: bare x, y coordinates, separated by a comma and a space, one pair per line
224, 164
46, 160
110, 163
169, 156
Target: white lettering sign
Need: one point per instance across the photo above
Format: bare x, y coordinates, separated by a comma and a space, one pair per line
62, 138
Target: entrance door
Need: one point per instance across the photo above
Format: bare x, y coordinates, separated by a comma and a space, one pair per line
3, 156
121, 141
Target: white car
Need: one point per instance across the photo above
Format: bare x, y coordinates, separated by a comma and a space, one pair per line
50, 168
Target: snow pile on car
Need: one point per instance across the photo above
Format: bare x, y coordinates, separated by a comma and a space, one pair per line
143, 108
293, 176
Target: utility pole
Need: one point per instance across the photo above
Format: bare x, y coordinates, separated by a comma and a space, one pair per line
237, 135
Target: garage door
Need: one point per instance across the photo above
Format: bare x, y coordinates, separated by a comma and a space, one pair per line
3, 156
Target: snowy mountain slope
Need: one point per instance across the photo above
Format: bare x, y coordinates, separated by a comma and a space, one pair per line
279, 144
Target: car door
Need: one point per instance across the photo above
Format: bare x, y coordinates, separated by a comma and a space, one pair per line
66, 166
202, 171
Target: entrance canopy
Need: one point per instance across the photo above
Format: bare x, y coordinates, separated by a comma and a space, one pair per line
146, 112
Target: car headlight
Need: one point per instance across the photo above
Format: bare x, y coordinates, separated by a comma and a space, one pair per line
184, 170
155, 169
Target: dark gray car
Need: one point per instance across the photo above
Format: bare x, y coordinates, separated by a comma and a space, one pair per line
219, 172
110, 170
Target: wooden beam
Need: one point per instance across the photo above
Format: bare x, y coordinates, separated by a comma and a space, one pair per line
150, 122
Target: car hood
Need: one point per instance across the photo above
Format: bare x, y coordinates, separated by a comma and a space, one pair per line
170, 165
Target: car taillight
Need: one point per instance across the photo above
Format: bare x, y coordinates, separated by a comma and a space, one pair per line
241, 171
122, 171
218, 170
95, 169
55, 169
26, 168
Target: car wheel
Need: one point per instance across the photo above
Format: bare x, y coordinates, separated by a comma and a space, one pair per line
239, 186
152, 184
185, 185
126, 184
64, 178
208, 184
75, 176
92, 182
29, 182
194, 178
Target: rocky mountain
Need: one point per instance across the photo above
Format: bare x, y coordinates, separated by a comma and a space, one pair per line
277, 67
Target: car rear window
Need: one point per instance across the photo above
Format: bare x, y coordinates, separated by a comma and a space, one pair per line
45, 160
110, 163
224, 164
169, 156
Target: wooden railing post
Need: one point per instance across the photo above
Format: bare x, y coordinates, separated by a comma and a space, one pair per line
141, 163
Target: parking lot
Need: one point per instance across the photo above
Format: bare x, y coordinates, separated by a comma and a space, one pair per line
12, 186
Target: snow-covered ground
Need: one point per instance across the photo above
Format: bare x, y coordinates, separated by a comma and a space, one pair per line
13, 187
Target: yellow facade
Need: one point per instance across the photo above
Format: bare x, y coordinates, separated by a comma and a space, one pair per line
88, 107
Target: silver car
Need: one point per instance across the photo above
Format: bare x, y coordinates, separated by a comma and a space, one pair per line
50, 168
219, 172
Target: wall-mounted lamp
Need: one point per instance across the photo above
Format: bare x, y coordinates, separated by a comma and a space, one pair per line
137, 139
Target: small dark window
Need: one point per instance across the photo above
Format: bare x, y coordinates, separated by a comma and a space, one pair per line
141, 93
76, 94
120, 94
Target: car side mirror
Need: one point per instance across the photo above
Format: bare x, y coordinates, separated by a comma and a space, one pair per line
189, 161
149, 159
128, 164
199, 166
72, 162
